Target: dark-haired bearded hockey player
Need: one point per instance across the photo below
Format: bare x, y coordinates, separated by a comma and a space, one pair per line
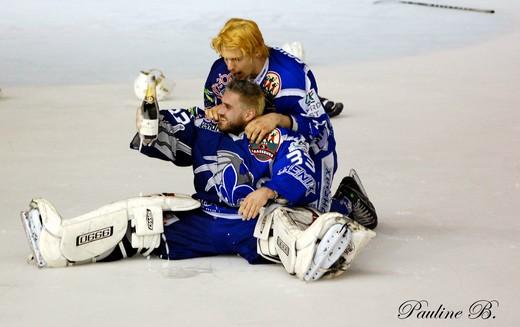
234, 180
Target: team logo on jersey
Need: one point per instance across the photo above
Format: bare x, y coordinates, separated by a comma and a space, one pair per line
267, 149
312, 105
272, 83
220, 84
236, 178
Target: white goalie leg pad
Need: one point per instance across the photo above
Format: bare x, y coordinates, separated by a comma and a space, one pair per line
320, 243
285, 234
296, 241
312, 247
46, 244
266, 245
277, 231
85, 238
300, 219
334, 255
62, 242
92, 234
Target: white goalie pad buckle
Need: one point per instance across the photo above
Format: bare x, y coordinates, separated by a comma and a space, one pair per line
148, 225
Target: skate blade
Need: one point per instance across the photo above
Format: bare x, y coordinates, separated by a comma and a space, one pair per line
355, 176
331, 247
32, 237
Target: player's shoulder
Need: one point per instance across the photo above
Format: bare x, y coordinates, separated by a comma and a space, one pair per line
218, 68
293, 140
290, 70
283, 58
218, 77
205, 125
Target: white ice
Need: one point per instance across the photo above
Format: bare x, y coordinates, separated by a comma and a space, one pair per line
431, 124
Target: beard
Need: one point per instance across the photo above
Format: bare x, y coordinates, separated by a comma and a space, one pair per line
225, 126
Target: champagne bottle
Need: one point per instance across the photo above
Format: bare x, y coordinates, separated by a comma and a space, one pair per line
150, 112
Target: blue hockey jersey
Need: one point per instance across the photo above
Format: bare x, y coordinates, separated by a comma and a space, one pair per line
227, 167
290, 89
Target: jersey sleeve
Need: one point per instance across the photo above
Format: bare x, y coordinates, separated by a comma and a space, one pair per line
304, 107
215, 83
175, 139
210, 99
293, 172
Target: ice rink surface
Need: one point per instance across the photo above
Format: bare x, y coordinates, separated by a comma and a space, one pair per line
432, 125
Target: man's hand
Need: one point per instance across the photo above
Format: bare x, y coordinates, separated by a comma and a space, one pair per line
254, 201
257, 129
212, 113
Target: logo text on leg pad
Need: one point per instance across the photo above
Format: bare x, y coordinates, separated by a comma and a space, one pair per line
95, 235
282, 246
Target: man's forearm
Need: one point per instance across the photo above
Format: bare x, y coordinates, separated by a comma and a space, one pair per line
284, 121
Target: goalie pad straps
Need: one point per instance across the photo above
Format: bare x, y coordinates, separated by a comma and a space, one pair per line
285, 234
146, 215
272, 240
294, 230
147, 224
263, 233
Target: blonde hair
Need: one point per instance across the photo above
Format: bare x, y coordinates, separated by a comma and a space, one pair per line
241, 34
251, 95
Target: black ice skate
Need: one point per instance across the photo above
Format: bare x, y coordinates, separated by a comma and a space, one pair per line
331, 108
363, 210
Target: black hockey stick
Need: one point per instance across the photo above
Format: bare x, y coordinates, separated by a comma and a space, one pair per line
484, 11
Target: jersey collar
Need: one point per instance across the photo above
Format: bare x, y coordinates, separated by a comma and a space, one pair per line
238, 137
258, 79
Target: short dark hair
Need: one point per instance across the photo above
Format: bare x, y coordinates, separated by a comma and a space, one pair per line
251, 94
